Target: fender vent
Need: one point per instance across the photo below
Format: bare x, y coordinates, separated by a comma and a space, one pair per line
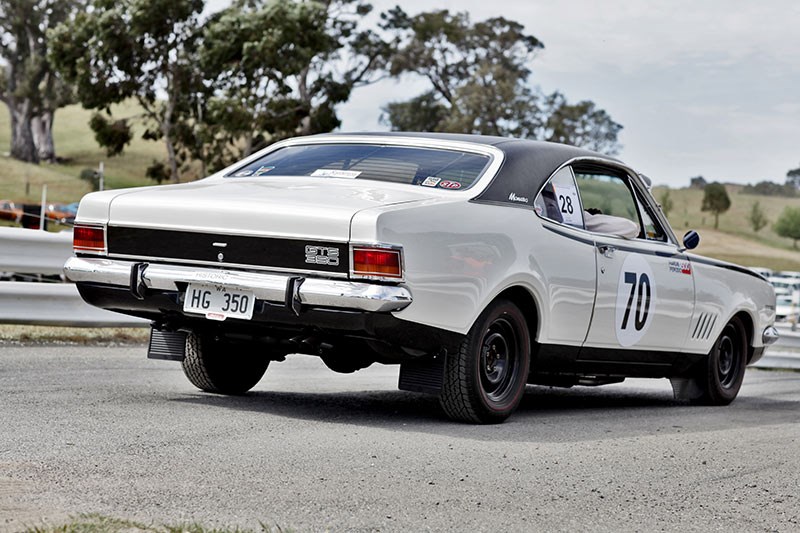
704, 326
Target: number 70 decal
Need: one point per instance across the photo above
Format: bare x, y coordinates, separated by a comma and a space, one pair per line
636, 300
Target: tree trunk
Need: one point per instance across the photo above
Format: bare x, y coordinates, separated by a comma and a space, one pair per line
166, 129
42, 126
716, 220
22, 144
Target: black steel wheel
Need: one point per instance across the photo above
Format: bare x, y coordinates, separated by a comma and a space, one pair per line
484, 382
216, 366
724, 372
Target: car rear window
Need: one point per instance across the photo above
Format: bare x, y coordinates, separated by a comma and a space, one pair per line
424, 167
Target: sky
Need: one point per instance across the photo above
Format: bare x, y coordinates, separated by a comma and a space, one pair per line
701, 87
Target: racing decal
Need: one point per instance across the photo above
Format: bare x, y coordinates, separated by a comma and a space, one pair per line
680, 267
514, 198
448, 184
568, 203
636, 300
243, 173
332, 173
431, 181
262, 170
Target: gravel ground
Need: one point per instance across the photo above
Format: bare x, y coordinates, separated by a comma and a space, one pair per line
102, 429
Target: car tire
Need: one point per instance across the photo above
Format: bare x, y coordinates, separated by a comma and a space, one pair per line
215, 366
723, 374
485, 380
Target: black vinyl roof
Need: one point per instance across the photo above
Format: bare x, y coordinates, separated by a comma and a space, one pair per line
527, 163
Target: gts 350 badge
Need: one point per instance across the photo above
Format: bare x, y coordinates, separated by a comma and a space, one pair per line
320, 255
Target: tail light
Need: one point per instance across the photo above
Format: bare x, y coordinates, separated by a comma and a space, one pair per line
89, 238
377, 262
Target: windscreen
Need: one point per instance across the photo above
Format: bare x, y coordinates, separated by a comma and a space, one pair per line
424, 167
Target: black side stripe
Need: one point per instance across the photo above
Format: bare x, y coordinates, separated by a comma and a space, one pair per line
727, 266
559, 231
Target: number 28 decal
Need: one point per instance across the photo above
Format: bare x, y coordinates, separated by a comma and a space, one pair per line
636, 300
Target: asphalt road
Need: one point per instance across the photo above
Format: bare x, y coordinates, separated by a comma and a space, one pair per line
105, 430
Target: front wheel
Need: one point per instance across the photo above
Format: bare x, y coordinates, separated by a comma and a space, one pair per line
484, 381
724, 372
216, 366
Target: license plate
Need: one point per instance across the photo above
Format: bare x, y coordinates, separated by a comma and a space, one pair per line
217, 302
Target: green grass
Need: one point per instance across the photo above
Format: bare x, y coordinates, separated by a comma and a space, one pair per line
96, 523
13, 333
76, 146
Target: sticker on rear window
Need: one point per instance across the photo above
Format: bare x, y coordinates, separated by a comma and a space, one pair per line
447, 184
242, 173
262, 170
431, 181
332, 173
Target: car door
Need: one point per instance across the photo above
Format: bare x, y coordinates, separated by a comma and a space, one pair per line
645, 288
563, 255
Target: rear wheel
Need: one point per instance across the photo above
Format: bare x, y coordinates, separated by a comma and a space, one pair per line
224, 368
722, 377
484, 382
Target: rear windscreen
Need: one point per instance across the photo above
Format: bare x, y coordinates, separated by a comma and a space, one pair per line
424, 167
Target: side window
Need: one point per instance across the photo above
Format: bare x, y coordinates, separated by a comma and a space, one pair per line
609, 202
652, 229
559, 201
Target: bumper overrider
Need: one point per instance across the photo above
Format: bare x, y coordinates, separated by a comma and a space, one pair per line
294, 291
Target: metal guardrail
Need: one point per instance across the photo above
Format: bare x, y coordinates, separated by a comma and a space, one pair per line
34, 252
55, 304
28, 251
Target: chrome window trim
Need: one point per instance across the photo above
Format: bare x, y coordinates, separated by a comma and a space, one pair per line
635, 182
497, 156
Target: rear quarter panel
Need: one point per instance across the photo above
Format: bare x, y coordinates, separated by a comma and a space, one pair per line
460, 255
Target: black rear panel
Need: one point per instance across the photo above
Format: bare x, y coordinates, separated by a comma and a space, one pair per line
321, 256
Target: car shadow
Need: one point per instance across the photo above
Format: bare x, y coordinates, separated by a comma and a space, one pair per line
545, 414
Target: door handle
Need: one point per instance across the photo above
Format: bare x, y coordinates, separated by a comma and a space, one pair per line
607, 250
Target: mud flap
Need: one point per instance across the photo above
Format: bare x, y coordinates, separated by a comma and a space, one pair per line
685, 389
423, 375
167, 345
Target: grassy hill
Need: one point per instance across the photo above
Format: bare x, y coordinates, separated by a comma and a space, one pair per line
735, 240
75, 145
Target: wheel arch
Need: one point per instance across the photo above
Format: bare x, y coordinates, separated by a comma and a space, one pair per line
525, 300
749, 328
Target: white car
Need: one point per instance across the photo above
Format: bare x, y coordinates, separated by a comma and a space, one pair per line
479, 264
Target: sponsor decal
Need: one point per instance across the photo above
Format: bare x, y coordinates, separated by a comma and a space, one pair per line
332, 173
431, 181
321, 255
243, 173
262, 170
447, 184
514, 198
680, 267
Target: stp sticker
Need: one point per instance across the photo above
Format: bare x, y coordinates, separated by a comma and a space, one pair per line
636, 300
447, 184
242, 173
431, 181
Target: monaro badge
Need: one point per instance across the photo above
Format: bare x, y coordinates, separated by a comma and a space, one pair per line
320, 255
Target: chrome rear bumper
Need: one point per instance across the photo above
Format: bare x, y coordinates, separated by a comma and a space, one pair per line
271, 287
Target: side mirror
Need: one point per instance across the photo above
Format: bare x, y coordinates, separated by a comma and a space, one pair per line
691, 240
